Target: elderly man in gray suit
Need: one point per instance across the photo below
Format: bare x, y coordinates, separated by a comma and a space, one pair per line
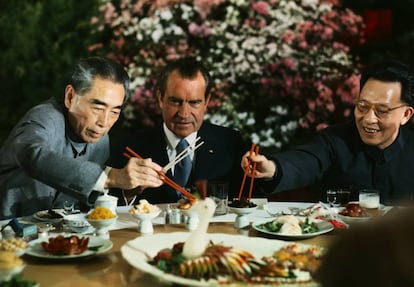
58, 150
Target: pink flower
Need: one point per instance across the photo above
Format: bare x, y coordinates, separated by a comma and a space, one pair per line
289, 63
198, 30
203, 7
261, 7
311, 105
289, 36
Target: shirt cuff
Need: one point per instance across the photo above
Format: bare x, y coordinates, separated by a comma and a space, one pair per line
100, 183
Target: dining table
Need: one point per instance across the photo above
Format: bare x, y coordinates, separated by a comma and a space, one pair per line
111, 269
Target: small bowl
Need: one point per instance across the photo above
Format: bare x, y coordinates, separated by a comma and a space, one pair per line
145, 221
242, 219
102, 225
77, 222
242, 210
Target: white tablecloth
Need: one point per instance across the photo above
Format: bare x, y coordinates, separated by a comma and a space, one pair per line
125, 220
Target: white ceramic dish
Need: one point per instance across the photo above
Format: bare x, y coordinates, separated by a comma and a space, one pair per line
324, 227
77, 222
350, 220
145, 221
136, 251
44, 215
242, 219
96, 246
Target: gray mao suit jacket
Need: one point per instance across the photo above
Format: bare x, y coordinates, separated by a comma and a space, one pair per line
42, 163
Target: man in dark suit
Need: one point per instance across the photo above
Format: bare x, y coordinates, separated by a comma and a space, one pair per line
183, 94
372, 151
57, 151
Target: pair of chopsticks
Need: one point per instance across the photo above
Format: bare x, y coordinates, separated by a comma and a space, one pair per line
191, 148
254, 148
163, 177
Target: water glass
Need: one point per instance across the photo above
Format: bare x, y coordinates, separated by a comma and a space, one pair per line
343, 196
68, 206
219, 192
332, 197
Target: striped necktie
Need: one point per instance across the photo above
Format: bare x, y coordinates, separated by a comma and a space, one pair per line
182, 169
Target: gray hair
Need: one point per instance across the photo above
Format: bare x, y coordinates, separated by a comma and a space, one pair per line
89, 68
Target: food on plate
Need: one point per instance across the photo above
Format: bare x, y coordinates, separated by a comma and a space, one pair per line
13, 244
53, 214
353, 209
101, 212
185, 203
61, 245
242, 203
9, 260
144, 207
226, 264
290, 225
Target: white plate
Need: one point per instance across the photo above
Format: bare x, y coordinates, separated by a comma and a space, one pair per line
44, 215
350, 219
133, 252
324, 227
35, 249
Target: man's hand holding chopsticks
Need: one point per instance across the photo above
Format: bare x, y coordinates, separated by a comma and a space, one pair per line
265, 168
137, 172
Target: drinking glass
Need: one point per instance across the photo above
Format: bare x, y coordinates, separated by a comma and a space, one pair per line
369, 198
219, 192
68, 206
343, 196
332, 197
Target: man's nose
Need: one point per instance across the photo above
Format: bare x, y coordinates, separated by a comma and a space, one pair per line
371, 116
103, 119
184, 109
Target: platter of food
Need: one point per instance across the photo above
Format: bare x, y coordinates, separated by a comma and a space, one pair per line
53, 215
61, 247
218, 265
293, 227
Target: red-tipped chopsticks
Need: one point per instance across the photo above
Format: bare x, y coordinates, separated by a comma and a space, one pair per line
164, 178
254, 148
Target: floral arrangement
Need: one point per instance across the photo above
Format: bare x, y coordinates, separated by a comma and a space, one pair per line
279, 66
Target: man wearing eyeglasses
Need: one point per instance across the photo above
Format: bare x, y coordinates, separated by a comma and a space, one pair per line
373, 150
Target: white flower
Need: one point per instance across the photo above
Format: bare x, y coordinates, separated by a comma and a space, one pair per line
166, 15
310, 3
249, 56
157, 34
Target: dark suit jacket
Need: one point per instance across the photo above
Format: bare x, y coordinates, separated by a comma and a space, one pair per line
218, 159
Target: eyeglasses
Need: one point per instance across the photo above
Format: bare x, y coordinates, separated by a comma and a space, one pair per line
381, 111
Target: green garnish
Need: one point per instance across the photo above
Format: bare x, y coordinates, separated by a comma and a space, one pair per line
18, 281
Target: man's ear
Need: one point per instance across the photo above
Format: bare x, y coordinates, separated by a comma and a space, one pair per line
207, 101
69, 96
408, 113
159, 98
